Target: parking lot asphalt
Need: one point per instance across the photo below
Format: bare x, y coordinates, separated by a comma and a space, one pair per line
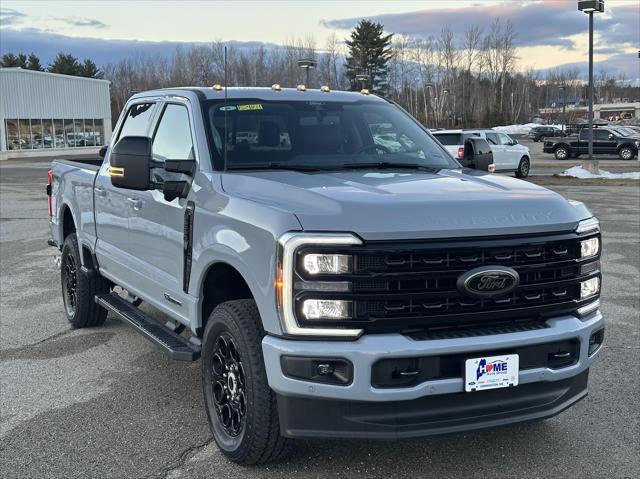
105, 402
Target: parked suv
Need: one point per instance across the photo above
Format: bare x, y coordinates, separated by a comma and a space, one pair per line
508, 155
331, 286
538, 133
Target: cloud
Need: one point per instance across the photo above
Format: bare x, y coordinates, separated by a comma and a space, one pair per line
545, 23
9, 16
84, 22
47, 44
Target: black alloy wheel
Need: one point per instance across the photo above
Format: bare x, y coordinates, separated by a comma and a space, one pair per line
229, 385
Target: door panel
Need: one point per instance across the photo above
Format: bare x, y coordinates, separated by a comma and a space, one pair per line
499, 154
111, 204
156, 226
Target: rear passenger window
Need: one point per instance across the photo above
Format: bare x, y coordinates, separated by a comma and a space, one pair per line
137, 120
172, 140
449, 138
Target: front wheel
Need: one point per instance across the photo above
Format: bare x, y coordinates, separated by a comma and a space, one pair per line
523, 168
242, 409
79, 288
626, 153
561, 153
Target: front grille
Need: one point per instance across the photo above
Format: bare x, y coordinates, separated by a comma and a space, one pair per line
412, 286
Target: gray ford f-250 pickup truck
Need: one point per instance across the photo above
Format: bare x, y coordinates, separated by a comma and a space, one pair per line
338, 271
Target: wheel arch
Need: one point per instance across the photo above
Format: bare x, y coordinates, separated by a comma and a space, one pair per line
220, 282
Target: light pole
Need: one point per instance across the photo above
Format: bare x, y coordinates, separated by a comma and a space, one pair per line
589, 7
307, 64
432, 97
446, 100
563, 89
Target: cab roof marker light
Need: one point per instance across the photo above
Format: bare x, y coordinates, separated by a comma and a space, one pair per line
276, 87
302, 87
325, 89
217, 87
364, 91
592, 225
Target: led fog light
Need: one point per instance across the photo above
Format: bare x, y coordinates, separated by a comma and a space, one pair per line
326, 309
589, 287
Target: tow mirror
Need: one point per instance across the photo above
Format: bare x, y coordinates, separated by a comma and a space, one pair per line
130, 163
103, 151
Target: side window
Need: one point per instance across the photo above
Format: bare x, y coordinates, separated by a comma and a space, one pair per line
137, 120
600, 134
492, 138
504, 139
172, 140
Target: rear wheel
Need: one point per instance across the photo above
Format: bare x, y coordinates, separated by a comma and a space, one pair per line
523, 168
241, 407
561, 153
79, 288
626, 153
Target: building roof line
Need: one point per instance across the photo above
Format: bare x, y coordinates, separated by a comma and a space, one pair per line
35, 72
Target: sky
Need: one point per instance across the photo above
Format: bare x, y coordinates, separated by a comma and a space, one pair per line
550, 33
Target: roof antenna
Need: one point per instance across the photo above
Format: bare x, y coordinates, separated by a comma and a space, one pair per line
226, 87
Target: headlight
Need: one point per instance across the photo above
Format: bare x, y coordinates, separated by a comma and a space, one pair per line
589, 247
326, 309
295, 281
326, 263
589, 287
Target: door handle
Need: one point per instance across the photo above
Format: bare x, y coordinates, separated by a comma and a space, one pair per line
135, 202
100, 191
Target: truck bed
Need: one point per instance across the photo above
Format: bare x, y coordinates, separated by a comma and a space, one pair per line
91, 163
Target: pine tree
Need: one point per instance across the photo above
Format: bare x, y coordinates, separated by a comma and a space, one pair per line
66, 64
369, 54
89, 69
10, 60
33, 63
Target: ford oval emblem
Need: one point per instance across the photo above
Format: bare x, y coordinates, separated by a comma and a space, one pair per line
487, 281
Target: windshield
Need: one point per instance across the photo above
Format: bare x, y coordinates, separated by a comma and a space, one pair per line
321, 135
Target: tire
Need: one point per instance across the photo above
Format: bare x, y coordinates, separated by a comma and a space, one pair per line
79, 288
562, 153
523, 168
234, 380
626, 153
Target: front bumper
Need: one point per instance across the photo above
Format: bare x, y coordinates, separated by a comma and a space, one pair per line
429, 415
541, 392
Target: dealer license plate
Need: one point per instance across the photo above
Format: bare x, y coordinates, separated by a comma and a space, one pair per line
491, 372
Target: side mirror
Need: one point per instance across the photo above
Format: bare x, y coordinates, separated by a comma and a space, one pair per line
103, 151
515, 142
130, 163
611, 136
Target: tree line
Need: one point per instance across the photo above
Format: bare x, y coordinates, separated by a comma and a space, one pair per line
442, 79
64, 63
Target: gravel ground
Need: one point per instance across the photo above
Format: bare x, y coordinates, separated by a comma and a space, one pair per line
105, 403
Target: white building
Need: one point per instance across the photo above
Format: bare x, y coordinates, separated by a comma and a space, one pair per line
43, 114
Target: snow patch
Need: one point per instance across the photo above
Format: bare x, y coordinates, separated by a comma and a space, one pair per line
521, 129
579, 172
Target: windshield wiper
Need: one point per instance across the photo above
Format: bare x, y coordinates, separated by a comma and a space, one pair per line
274, 166
387, 165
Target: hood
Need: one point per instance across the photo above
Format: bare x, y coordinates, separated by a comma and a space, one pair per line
387, 204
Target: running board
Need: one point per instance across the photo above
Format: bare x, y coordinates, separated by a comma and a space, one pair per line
176, 346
